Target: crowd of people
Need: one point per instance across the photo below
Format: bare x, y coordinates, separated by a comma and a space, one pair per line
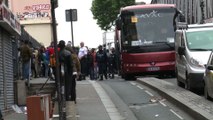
75, 63
94, 63
97, 64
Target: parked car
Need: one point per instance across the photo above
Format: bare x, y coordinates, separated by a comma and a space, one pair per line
193, 45
208, 78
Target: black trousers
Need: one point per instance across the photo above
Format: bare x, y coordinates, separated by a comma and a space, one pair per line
73, 88
83, 62
68, 85
102, 69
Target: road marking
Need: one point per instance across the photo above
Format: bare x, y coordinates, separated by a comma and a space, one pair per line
107, 102
139, 87
149, 93
176, 114
162, 103
133, 83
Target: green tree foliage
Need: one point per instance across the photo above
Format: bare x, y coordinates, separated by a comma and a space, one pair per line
106, 11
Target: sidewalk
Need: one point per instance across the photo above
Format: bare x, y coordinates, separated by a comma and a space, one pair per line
22, 116
89, 104
194, 104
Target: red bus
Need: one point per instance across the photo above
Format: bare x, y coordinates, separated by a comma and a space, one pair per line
144, 37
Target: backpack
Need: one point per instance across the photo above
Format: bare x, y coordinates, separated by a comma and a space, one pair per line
52, 60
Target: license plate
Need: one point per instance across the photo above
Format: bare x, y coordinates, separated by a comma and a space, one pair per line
153, 69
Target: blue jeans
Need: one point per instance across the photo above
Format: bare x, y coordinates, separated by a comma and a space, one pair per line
26, 70
46, 69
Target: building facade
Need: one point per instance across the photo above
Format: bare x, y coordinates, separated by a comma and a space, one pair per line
11, 34
10, 29
35, 16
191, 9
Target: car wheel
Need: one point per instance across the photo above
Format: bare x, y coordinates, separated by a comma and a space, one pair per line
206, 93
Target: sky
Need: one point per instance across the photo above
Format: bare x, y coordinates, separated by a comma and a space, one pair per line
85, 29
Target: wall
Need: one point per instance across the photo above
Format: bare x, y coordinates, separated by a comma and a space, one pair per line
31, 9
41, 32
35, 15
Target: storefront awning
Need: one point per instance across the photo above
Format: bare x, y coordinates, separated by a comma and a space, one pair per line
8, 21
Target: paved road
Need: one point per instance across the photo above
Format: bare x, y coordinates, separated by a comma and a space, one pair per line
144, 103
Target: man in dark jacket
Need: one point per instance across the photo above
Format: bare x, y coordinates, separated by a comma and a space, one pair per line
112, 63
66, 69
26, 54
101, 58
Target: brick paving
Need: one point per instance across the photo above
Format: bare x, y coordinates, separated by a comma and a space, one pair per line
196, 105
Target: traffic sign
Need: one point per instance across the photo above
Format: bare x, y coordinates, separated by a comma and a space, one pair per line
71, 14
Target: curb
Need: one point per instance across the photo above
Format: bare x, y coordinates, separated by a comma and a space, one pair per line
191, 109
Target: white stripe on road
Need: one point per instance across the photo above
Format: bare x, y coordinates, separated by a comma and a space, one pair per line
133, 83
139, 87
149, 93
108, 104
176, 114
162, 103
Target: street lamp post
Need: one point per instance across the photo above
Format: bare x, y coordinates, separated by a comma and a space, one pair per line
61, 109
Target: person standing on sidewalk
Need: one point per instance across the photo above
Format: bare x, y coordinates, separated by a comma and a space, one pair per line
52, 56
26, 54
95, 67
90, 65
82, 55
76, 71
101, 58
112, 63
45, 57
66, 69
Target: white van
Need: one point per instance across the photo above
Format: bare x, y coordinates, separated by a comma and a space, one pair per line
193, 45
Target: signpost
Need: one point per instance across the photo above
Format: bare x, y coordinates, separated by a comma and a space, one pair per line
71, 15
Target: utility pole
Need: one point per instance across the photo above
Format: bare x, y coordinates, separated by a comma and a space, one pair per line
61, 109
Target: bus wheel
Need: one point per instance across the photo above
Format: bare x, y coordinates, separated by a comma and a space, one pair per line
122, 76
129, 77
